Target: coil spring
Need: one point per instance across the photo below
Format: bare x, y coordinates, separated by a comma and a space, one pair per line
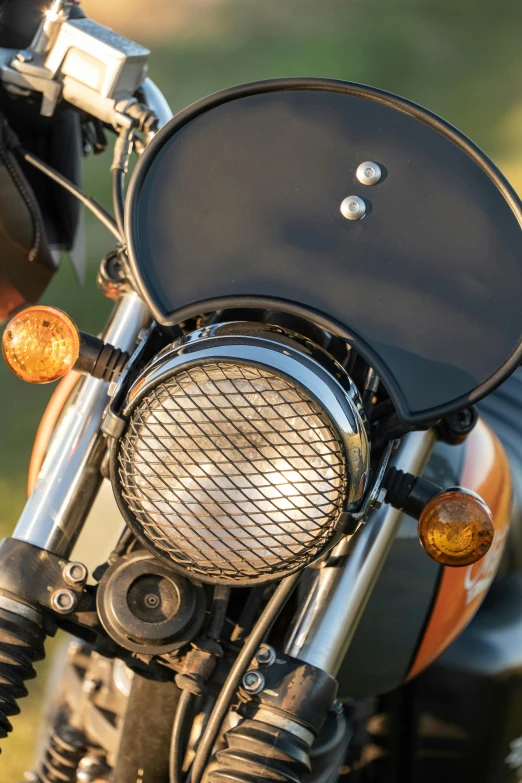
257, 752
21, 643
65, 750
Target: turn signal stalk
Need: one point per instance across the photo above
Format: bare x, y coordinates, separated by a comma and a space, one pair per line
42, 344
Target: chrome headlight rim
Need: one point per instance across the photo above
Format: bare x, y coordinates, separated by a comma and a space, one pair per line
340, 403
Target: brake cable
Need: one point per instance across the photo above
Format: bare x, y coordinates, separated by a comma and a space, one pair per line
241, 664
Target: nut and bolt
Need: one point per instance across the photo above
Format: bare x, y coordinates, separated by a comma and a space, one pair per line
353, 208
253, 682
75, 574
266, 655
63, 601
380, 498
336, 708
92, 769
76, 648
368, 173
90, 685
24, 57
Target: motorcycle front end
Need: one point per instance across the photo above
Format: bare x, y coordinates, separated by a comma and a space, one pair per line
302, 509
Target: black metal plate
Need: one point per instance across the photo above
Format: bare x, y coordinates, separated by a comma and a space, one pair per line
237, 200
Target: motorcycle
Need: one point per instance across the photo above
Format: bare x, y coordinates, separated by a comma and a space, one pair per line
297, 440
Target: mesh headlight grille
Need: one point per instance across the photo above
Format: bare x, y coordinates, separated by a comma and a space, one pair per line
233, 472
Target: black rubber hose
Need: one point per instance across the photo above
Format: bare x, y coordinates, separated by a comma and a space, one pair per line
178, 732
241, 664
248, 614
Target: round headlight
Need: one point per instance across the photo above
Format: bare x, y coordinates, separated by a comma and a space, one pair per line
233, 470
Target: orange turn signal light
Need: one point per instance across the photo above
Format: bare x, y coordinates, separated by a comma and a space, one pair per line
41, 344
456, 528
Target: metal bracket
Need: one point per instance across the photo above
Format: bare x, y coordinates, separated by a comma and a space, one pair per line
38, 577
113, 425
377, 495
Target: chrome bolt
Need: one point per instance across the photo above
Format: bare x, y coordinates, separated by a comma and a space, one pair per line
253, 682
368, 173
266, 655
380, 498
90, 685
31, 777
353, 208
92, 769
75, 574
24, 57
63, 601
75, 648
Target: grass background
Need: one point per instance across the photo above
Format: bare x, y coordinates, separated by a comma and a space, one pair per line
460, 58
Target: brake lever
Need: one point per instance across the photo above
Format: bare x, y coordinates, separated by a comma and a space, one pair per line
81, 62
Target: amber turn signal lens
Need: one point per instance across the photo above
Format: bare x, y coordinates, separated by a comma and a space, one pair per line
41, 344
456, 528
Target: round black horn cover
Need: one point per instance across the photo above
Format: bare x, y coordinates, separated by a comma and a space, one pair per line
237, 203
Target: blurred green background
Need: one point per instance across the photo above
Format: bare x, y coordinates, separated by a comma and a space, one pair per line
461, 59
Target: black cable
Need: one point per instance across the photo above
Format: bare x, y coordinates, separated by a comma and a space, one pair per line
96, 208
248, 614
120, 166
124, 542
218, 613
178, 733
240, 666
118, 198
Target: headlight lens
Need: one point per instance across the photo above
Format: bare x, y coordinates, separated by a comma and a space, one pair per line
243, 445
233, 471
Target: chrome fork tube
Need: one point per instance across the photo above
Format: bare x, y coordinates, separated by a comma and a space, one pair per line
70, 476
324, 629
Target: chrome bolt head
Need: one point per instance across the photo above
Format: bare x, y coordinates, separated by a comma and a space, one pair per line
266, 655
90, 685
380, 498
368, 173
63, 601
253, 682
75, 574
92, 769
24, 57
353, 208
